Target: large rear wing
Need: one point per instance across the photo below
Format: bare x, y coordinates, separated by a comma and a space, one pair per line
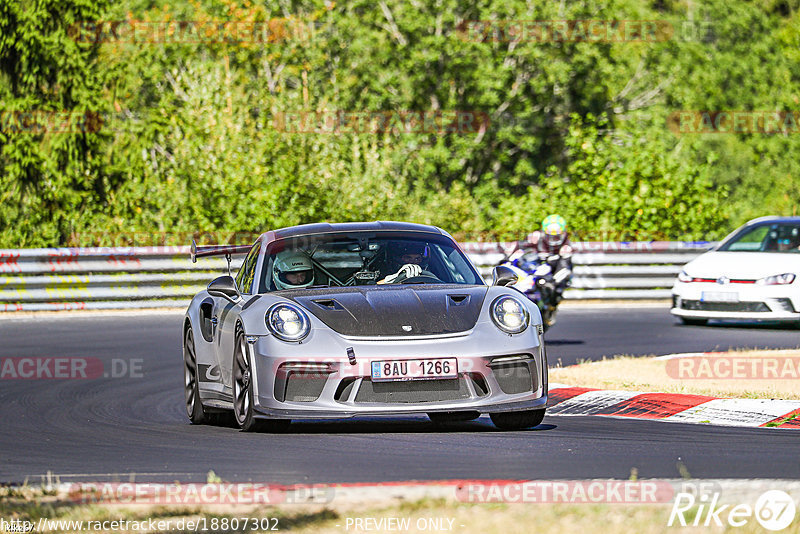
217, 250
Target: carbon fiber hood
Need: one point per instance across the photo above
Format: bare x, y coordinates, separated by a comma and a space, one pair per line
396, 310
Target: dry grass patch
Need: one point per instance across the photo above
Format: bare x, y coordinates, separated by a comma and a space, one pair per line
652, 374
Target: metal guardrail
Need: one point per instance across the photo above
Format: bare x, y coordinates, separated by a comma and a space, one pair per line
146, 277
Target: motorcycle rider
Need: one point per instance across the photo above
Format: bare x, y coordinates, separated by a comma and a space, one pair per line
552, 244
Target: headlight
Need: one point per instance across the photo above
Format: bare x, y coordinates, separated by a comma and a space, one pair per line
777, 280
683, 277
509, 314
288, 322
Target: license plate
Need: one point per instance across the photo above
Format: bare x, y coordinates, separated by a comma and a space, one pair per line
423, 369
719, 296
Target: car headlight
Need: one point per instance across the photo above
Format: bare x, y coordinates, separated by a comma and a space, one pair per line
288, 322
683, 277
509, 314
777, 280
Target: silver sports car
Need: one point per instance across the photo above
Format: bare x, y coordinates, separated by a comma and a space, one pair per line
341, 320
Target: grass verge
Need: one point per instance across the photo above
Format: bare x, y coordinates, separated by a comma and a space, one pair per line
759, 374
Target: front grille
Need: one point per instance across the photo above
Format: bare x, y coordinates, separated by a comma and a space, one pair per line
698, 305
514, 378
302, 386
412, 391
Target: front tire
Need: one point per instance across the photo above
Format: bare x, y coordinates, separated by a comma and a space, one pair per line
517, 420
243, 393
194, 406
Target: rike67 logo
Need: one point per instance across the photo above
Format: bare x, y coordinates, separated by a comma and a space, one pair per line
774, 510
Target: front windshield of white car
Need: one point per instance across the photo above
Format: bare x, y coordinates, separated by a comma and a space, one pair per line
375, 258
775, 237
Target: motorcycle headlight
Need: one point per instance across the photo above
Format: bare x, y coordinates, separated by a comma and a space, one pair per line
288, 322
683, 277
524, 285
777, 280
509, 314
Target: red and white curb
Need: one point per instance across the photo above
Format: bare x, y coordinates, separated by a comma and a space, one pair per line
673, 407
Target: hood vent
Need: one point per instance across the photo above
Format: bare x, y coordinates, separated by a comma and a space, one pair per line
458, 300
328, 304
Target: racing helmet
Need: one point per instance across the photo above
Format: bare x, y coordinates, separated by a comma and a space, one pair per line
554, 229
411, 252
292, 270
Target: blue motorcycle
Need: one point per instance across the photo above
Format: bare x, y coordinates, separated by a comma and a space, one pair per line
537, 280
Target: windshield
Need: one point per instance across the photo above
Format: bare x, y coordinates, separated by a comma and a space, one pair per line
368, 258
775, 237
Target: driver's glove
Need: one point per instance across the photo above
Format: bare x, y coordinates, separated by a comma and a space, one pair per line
409, 270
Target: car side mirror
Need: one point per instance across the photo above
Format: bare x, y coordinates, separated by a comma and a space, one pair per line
503, 276
224, 287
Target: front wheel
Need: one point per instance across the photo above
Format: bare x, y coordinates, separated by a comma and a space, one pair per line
243, 393
517, 420
194, 406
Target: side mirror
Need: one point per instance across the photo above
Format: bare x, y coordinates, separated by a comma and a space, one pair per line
503, 276
224, 287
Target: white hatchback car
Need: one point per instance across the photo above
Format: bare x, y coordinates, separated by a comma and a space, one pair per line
751, 274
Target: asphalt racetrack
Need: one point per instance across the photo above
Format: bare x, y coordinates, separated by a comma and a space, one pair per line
107, 428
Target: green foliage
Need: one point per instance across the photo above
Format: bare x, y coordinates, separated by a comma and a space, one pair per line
190, 139
663, 198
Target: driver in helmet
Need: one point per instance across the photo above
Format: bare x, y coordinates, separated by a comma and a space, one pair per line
790, 240
411, 258
292, 270
552, 242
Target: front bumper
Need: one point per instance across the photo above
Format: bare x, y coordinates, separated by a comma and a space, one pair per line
751, 302
317, 379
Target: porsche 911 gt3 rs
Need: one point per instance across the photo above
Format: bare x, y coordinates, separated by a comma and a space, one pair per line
343, 320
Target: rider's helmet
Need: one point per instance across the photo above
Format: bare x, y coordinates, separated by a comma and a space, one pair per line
292, 270
554, 230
